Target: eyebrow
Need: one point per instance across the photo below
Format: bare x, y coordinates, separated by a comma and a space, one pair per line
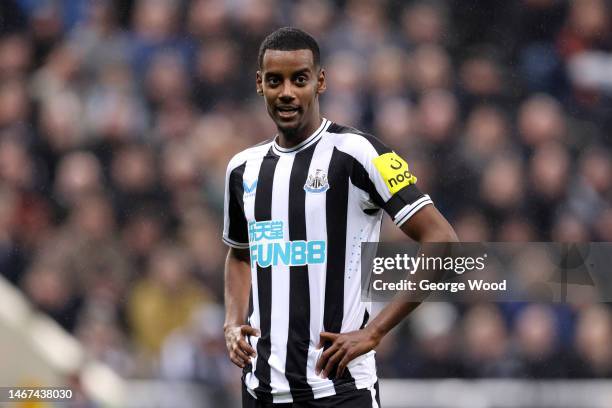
298, 72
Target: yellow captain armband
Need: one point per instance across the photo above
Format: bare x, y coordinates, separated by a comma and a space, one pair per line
394, 170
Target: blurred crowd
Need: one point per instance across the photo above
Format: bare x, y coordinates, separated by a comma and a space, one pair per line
118, 118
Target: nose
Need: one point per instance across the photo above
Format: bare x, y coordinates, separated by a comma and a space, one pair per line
286, 95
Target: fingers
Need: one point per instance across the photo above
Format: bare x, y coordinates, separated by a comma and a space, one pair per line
239, 357
325, 356
331, 363
246, 347
327, 336
240, 351
343, 363
247, 330
237, 361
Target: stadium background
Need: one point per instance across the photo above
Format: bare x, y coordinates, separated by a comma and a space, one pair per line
118, 118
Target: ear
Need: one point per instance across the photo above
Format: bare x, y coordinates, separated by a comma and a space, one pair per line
259, 83
321, 82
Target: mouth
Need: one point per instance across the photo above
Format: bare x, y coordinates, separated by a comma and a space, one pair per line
287, 111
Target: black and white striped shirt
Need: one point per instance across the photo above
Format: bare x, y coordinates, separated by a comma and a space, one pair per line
302, 212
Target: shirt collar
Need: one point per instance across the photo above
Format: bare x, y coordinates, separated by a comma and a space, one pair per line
305, 143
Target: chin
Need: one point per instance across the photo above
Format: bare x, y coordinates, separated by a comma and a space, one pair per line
288, 127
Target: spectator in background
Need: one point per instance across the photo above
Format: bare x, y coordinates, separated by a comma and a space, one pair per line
472, 227
197, 353
424, 22
90, 253
593, 336
78, 174
15, 56
549, 175
52, 292
135, 181
142, 233
537, 341
346, 70
429, 69
164, 299
14, 104
487, 346
433, 326
9, 263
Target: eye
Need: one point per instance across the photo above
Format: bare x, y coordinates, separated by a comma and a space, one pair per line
273, 81
301, 80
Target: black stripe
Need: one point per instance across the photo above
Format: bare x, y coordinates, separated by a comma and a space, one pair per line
366, 317
377, 389
298, 338
237, 230
361, 179
250, 312
263, 212
412, 211
336, 219
399, 200
380, 147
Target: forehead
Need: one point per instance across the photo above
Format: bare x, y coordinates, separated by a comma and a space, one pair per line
287, 61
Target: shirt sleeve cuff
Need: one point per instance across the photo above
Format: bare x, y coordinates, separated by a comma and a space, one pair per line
235, 244
409, 210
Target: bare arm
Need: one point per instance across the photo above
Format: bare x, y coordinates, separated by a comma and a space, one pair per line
427, 225
237, 288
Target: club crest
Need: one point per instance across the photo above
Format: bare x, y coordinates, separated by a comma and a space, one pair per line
317, 182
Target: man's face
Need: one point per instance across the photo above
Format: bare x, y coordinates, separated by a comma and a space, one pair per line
291, 83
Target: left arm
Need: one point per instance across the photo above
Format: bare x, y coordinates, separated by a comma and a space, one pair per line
427, 225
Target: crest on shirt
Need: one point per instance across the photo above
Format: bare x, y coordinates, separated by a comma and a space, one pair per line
317, 182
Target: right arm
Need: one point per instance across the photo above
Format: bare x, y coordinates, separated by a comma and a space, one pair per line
237, 268
237, 289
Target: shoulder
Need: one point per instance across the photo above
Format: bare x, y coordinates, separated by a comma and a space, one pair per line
251, 153
354, 141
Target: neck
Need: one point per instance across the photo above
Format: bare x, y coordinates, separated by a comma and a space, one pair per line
290, 138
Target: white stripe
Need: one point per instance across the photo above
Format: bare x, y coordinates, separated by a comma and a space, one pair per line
280, 281
414, 208
251, 173
364, 152
316, 229
226, 201
409, 207
358, 230
304, 144
363, 370
235, 244
252, 156
400, 214
373, 392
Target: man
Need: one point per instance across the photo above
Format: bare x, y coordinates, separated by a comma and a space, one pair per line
297, 208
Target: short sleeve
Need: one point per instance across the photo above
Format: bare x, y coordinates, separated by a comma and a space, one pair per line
234, 221
390, 183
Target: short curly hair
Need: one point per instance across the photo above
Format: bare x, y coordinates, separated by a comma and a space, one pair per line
289, 39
